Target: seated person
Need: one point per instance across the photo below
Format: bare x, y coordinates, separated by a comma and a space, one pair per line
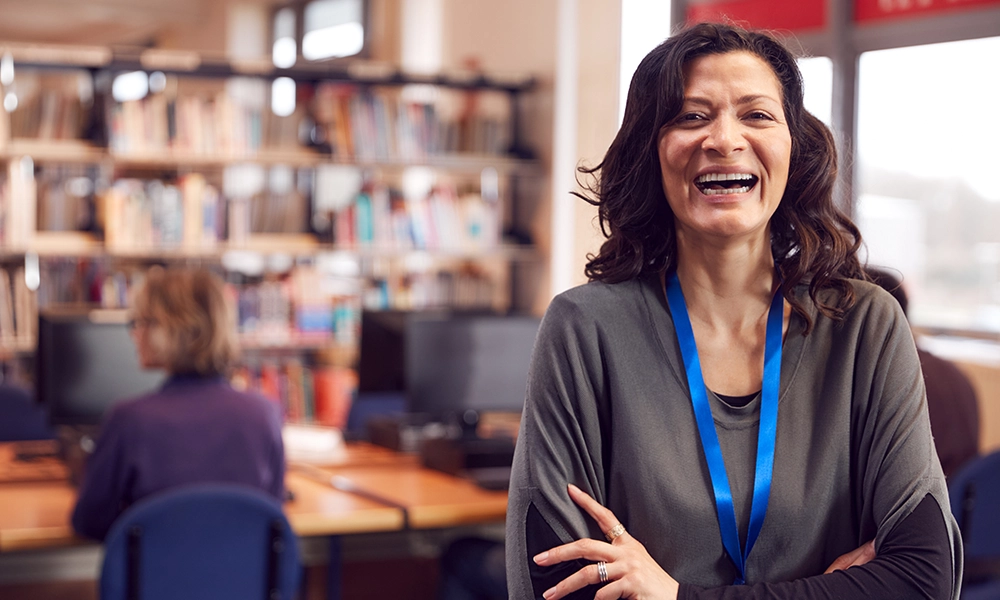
195, 428
951, 399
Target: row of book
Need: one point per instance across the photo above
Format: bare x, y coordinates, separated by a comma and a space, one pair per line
234, 121
466, 289
306, 393
303, 306
18, 313
380, 123
49, 105
83, 280
351, 123
300, 307
381, 217
65, 196
153, 214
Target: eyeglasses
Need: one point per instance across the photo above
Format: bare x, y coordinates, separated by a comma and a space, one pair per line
136, 323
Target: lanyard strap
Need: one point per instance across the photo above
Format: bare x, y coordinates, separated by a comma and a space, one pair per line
706, 424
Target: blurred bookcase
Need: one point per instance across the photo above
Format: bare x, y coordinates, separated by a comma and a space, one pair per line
374, 189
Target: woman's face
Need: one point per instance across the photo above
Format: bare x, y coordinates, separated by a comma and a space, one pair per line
725, 159
148, 335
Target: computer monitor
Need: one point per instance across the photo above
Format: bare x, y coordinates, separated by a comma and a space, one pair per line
459, 363
380, 353
85, 362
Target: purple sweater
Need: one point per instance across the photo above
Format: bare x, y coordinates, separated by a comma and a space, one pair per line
192, 430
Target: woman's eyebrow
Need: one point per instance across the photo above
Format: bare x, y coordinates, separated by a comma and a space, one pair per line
751, 98
745, 99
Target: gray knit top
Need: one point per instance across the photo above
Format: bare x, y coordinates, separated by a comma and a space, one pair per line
608, 409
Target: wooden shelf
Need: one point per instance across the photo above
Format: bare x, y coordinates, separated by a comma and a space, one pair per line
205, 65
176, 159
506, 251
79, 243
81, 151
84, 244
63, 243
449, 162
69, 151
63, 55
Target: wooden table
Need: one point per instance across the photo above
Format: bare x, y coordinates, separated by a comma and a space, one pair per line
36, 500
431, 499
37, 514
390, 492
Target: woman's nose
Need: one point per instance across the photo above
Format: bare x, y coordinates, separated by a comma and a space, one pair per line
725, 136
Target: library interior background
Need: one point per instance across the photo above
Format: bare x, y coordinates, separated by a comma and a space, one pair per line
361, 171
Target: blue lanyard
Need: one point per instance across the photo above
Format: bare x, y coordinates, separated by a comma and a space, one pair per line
706, 424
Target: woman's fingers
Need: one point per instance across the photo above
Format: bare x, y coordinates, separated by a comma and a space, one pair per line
586, 548
588, 575
854, 558
606, 519
612, 591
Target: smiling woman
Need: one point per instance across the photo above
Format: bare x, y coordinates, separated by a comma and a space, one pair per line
725, 157
728, 403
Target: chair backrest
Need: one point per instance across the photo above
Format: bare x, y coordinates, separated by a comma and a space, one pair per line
975, 502
20, 417
212, 541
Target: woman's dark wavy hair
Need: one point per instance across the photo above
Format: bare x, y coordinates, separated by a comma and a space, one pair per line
812, 241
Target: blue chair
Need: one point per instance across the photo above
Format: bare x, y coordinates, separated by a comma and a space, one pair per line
211, 541
20, 418
975, 498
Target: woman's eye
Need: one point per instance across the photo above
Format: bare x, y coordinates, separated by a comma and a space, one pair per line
760, 116
690, 118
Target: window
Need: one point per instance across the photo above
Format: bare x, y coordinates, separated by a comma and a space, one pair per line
284, 50
330, 29
817, 77
928, 204
333, 29
645, 24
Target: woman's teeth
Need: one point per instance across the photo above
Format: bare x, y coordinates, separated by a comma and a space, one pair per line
725, 183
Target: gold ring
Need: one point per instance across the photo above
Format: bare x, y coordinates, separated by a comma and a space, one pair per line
615, 532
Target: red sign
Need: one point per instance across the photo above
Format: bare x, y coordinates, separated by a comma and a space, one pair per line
787, 15
889, 10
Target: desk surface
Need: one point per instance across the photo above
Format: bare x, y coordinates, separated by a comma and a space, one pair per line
431, 498
36, 514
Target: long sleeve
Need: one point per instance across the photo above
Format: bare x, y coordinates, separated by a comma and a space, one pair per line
559, 442
916, 563
102, 493
895, 465
608, 409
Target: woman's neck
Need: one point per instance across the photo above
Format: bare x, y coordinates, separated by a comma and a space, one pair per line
726, 284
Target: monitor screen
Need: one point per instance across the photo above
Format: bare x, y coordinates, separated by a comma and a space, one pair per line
465, 362
380, 352
85, 362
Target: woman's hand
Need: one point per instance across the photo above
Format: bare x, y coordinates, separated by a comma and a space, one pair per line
854, 558
630, 572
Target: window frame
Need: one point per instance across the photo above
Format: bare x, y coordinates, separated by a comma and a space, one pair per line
299, 8
844, 41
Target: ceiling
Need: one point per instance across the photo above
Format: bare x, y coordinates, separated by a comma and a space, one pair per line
102, 22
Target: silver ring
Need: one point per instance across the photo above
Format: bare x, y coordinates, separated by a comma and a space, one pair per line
602, 571
615, 532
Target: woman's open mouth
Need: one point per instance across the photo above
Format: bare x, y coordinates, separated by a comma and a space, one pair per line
712, 184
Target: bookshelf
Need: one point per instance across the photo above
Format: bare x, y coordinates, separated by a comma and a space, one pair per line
96, 189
